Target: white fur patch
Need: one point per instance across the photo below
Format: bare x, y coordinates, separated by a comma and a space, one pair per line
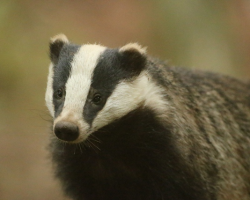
49, 91
59, 37
127, 97
77, 87
133, 46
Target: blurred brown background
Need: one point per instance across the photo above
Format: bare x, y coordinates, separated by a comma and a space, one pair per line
212, 35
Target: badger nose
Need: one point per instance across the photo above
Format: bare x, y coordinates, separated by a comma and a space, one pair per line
66, 131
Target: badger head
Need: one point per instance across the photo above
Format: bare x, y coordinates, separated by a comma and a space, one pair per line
90, 86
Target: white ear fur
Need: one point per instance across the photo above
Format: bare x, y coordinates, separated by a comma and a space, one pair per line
133, 47
59, 37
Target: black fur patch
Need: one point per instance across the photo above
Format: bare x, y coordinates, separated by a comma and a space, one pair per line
62, 72
133, 61
132, 158
112, 67
55, 49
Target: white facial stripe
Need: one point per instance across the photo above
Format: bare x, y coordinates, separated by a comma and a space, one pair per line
78, 85
83, 65
128, 96
49, 91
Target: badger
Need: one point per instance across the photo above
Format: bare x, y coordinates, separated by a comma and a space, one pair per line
129, 126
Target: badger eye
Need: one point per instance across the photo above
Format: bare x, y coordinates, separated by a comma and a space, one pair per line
60, 93
97, 99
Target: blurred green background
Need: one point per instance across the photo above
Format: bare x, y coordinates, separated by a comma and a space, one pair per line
212, 35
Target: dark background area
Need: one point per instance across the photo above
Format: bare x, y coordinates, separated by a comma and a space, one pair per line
211, 35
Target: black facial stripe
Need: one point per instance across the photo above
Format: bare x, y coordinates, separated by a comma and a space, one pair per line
107, 74
62, 72
108, 71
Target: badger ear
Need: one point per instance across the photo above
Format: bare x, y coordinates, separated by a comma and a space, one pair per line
133, 58
56, 44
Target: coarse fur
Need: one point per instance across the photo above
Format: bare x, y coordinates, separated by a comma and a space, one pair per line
157, 132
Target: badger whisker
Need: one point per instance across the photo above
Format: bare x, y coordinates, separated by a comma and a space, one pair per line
92, 144
95, 138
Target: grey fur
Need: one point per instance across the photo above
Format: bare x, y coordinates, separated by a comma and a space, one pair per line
211, 116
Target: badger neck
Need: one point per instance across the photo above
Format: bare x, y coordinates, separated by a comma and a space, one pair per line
133, 148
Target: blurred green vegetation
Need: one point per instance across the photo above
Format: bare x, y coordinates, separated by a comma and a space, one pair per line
211, 35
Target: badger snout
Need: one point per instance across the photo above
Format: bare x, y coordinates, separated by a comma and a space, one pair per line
66, 131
